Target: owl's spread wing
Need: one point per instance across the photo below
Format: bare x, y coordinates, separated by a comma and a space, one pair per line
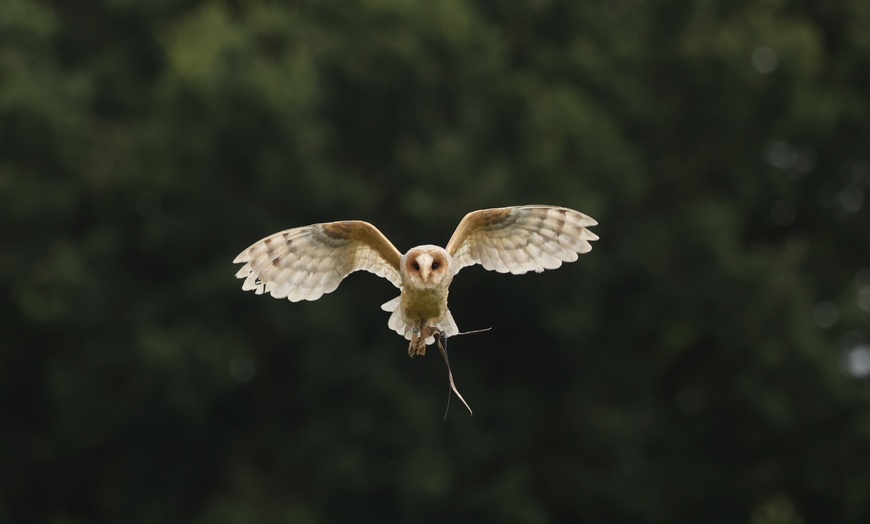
520, 239
306, 262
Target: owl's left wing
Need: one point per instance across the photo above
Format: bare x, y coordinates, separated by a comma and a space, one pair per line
520, 239
307, 262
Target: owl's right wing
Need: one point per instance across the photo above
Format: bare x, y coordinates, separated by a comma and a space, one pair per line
307, 262
520, 239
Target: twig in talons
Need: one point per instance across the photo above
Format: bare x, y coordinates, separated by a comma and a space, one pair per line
441, 339
473, 331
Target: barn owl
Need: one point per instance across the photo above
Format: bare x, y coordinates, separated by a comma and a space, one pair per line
304, 263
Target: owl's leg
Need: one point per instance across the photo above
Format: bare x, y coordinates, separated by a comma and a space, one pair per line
415, 341
418, 339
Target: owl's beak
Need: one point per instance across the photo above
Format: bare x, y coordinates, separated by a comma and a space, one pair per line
425, 271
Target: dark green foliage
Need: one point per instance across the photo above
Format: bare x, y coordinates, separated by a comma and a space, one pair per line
694, 367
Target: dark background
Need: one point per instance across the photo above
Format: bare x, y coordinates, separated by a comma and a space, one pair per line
708, 361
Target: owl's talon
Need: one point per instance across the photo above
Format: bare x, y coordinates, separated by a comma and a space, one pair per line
414, 350
417, 345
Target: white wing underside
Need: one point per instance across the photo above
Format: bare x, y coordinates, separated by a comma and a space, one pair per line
307, 262
521, 239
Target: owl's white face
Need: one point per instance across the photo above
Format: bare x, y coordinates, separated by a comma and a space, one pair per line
427, 267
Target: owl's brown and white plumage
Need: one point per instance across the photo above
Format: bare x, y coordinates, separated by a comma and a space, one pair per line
306, 262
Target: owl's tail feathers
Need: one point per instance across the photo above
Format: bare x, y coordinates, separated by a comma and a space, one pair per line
397, 321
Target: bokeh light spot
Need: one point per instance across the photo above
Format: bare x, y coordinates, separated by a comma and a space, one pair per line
780, 154
856, 361
851, 198
764, 60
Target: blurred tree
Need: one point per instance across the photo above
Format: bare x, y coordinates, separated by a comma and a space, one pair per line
707, 362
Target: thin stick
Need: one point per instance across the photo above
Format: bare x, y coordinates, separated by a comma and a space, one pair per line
439, 337
471, 332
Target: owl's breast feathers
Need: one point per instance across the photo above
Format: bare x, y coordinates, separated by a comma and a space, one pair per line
423, 304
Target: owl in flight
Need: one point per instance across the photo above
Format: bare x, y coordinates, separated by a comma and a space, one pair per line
304, 263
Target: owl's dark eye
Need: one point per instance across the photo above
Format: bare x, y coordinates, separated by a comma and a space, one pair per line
416, 266
435, 265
